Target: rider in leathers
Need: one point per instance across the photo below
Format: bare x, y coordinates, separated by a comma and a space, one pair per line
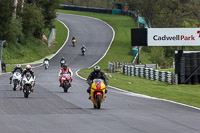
28, 70
64, 69
16, 69
96, 74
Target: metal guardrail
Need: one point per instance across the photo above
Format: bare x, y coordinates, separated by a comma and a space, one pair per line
98, 10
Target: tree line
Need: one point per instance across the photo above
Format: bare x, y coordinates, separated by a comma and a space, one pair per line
167, 14
22, 19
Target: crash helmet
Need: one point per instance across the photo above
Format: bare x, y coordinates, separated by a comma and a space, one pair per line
97, 69
83, 45
28, 67
18, 66
62, 58
64, 66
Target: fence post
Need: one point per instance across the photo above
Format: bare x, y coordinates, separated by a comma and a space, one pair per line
0, 67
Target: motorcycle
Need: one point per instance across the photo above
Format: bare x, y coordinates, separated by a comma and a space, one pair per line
74, 42
66, 80
97, 92
62, 62
16, 79
46, 64
83, 50
28, 83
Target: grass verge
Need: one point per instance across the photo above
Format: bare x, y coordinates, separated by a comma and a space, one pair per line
35, 50
120, 51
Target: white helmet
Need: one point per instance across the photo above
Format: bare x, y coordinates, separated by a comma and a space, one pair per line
18, 65
97, 69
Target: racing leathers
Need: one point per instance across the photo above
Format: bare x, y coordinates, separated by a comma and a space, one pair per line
96, 75
64, 71
16, 69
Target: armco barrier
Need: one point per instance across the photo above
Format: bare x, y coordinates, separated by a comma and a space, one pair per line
86, 9
149, 73
98, 10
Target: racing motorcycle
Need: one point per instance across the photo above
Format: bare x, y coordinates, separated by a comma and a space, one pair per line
28, 83
83, 50
66, 80
46, 64
97, 92
74, 42
16, 79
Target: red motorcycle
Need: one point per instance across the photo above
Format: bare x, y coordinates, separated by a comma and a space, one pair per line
66, 80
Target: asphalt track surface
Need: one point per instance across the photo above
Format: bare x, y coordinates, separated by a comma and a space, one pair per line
49, 110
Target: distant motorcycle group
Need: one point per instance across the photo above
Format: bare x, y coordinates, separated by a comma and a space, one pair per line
83, 48
97, 80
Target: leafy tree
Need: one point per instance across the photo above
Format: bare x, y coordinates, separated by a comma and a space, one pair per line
157, 55
6, 11
49, 10
16, 34
33, 20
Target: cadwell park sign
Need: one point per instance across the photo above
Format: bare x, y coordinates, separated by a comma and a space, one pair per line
165, 37
187, 65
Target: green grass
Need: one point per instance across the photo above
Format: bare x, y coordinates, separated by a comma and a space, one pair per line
121, 51
35, 49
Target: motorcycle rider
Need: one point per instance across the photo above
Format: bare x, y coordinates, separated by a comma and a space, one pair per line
28, 70
16, 69
96, 74
64, 70
83, 47
46, 59
73, 40
62, 60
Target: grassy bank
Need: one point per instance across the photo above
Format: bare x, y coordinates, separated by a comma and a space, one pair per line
120, 51
35, 49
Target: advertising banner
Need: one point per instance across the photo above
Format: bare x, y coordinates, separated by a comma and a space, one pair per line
173, 37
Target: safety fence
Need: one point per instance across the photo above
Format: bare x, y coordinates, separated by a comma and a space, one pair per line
86, 9
50, 37
98, 10
113, 65
149, 73
144, 71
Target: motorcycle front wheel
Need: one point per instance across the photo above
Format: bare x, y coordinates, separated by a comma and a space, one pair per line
15, 85
98, 100
26, 92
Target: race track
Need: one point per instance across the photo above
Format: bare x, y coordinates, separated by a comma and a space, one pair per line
49, 110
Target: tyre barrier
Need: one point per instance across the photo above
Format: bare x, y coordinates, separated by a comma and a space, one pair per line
151, 74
